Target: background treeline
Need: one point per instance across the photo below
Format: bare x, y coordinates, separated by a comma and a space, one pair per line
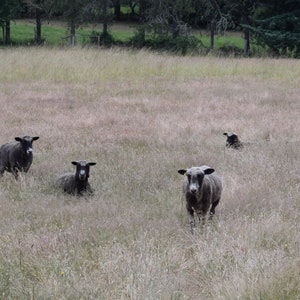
169, 24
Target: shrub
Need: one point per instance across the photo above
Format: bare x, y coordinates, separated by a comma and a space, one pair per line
101, 38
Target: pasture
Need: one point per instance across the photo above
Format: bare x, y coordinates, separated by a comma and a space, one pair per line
141, 117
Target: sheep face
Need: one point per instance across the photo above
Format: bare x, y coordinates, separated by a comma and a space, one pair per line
82, 169
195, 176
26, 143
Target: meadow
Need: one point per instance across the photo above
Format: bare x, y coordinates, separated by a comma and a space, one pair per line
142, 116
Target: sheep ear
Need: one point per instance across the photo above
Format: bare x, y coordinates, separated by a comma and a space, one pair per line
18, 139
74, 163
208, 171
35, 138
182, 171
92, 163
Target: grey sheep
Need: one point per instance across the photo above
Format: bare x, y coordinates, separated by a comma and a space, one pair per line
77, 183
17, 156
233, 141
202, 189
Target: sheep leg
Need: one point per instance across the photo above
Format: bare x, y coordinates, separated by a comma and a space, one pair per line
201, 216
2, 169
15, 172
89, 189
213, 208
192, 219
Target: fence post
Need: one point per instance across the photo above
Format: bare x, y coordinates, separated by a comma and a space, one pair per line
72, 40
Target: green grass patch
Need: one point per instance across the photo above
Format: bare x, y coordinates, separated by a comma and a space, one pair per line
220, 41
122, 36
23, 34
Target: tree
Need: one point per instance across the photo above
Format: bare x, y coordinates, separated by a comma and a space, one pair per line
166, 22
117, 9
169, 16
9, 10
247, 9
132, 4
40, 7
281, 33
242, 14
73, 12
279, 27
98, 11
139, 39
215, 14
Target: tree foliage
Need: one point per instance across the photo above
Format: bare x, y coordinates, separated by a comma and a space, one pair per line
39, 8
9, 10
279, 28
168, 24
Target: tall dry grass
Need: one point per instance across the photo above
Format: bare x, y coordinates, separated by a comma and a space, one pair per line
141, 117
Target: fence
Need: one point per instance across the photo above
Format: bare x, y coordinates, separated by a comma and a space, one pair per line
72, 38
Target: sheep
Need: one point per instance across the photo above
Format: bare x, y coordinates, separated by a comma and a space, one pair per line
77, 183
202, 191
17, 156
233, 141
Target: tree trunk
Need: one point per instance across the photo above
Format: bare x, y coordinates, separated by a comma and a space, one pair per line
72, 33
104, 35
246, 42
247, 10
212, 33
246, 20
7, 32
105, 27
142, 9
38, 33
105, 18
142, 19
3, 33
105, 22
132, 7
118, 10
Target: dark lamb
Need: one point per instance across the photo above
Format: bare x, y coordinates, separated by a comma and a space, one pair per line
77, 183
233, 141
17, 156
202, 189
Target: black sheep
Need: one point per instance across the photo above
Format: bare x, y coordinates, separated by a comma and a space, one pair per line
233, 141
17, 156
202, 189
77, 183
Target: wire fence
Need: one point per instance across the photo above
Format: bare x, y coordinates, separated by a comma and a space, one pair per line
72, 38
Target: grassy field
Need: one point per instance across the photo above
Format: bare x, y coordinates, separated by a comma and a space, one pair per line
141, 117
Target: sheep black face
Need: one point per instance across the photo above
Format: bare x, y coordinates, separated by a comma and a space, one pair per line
195, 178
26, 143
82, 169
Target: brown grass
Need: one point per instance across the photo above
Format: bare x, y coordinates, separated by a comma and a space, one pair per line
141, 117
